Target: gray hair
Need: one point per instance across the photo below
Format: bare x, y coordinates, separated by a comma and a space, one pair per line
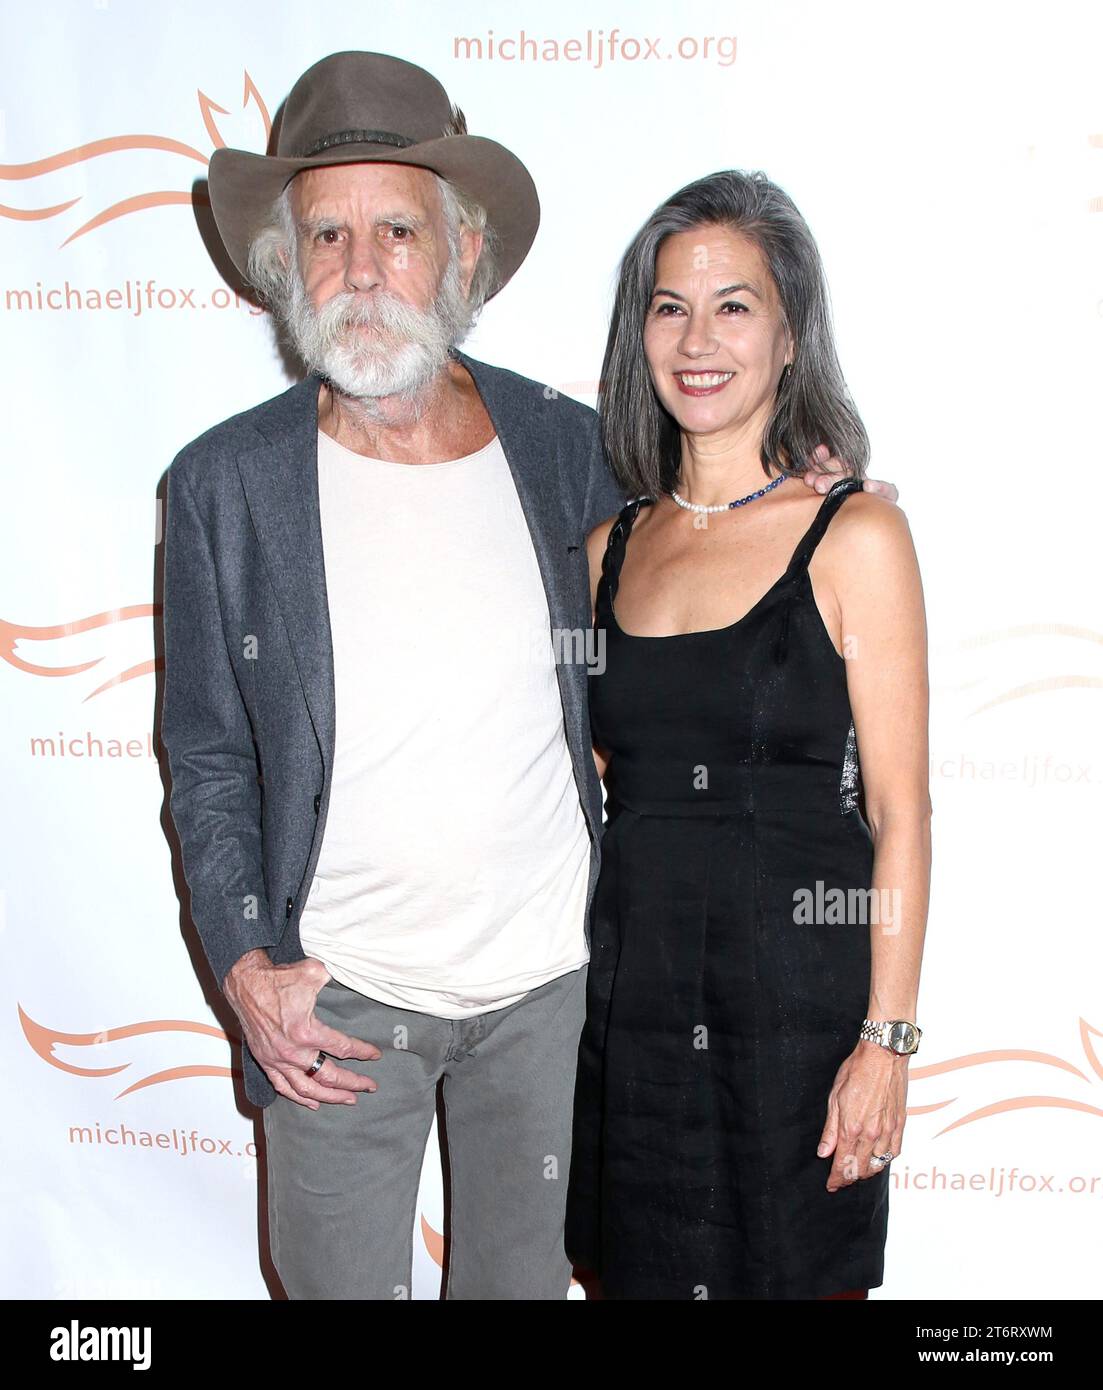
812, 405
269, 266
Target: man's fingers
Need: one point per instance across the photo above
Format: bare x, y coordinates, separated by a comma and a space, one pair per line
343, 1045
832, 466
281, 1086
331, 1075
817, 481
886, 490
285, 1088
331, 1083
341, 1086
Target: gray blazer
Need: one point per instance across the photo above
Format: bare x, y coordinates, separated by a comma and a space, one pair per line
247, 718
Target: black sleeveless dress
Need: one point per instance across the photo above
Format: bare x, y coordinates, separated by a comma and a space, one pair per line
716, 1019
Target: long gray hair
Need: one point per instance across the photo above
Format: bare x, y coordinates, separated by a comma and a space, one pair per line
812, 405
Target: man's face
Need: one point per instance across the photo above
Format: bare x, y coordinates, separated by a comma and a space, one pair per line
370, 228
378, 294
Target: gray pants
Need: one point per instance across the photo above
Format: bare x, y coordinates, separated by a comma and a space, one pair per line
343, 1179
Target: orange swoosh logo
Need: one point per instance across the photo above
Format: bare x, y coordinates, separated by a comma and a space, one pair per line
118, 144
1003, 1107
43, 1040
979, 1059
11, 633
1041, 687
1044, 685
1011, 1103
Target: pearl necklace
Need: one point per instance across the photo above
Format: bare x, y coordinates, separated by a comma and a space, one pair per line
727, 506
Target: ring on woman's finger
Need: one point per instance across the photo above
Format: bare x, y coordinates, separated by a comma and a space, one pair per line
317, 1064
881, 1158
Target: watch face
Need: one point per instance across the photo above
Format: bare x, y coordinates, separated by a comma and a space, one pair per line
902, 1038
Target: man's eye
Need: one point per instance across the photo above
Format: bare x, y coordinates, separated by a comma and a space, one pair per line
327, 232
400, 231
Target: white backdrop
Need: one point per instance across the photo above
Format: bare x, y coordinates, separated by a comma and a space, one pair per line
949, 159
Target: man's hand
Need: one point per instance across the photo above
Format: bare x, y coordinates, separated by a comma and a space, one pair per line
275, 1004
823, 482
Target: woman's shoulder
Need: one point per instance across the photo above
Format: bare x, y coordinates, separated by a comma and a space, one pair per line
867, 519
598, 538
867, 533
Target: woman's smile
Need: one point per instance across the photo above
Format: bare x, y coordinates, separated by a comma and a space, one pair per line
702, 383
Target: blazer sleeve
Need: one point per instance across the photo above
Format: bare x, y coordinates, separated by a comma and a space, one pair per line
604, 495
215, 799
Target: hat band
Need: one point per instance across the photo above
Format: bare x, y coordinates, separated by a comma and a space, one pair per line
358, 137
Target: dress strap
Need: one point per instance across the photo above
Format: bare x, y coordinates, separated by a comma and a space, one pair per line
613, 557
831, 503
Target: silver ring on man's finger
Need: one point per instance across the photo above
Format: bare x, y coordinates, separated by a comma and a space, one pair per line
317, 1064
881, 1158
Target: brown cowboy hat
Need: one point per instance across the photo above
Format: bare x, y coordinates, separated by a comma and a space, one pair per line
353, 108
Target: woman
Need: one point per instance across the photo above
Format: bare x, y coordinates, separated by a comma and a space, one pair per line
743, 1069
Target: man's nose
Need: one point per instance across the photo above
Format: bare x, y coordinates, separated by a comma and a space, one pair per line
365, 262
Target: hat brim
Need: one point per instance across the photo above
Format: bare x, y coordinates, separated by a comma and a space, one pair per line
243, 186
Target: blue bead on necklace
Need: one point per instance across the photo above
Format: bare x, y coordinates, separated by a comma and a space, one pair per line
727, 506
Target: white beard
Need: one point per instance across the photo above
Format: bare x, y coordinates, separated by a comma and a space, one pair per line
399, 356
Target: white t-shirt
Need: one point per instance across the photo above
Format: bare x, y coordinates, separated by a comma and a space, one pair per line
454, 864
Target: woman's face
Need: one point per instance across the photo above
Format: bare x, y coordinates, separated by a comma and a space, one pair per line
714, 336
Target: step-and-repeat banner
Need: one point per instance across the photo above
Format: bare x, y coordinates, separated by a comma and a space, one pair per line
949, 159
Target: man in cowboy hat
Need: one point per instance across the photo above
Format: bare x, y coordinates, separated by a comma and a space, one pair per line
382, 781
400, 898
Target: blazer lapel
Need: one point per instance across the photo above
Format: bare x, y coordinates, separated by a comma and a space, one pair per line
280, 479
535, 477
557, 540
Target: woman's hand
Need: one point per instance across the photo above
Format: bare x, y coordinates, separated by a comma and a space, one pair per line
866, 1111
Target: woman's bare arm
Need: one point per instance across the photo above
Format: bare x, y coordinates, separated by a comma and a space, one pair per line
871, 569
884, 638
